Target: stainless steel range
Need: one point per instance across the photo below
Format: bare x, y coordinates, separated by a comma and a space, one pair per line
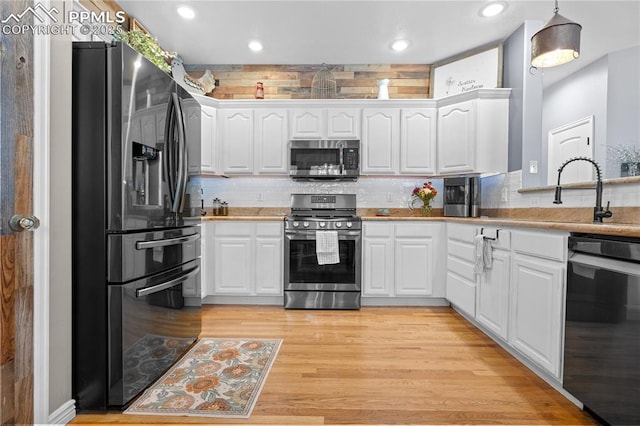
323, 252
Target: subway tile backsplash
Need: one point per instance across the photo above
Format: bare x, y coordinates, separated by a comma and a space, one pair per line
499, 191
372, 192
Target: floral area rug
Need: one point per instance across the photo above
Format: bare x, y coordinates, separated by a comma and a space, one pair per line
216, 378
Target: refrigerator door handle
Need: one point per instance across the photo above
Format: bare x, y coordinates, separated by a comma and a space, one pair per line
169, 160
181, 183
143, 245
141, 292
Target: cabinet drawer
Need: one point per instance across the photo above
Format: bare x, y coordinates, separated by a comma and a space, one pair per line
545, 245
461, 267
461, 293
380, 230
416, 230
234, 229
461, 250
269, 229
464, 233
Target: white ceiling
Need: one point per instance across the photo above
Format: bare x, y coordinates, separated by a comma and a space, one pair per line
361, 31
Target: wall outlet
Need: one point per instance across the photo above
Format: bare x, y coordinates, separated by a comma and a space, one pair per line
260, 196
504, 196
533, 167
389, 197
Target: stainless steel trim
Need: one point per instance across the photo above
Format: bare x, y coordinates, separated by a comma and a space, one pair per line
142, 245
141, 292
620, 266
321, 300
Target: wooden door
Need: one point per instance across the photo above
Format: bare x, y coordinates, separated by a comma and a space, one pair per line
16, 196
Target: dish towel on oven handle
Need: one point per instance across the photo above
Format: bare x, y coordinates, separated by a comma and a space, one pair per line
484, 254
327, 248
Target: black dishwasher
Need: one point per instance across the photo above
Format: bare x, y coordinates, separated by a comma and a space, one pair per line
602, 327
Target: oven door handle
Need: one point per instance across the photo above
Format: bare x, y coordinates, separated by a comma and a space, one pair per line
614, 265
311, 235
143, 245
141, 292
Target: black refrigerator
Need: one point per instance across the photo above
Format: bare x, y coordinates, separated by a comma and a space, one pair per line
136, 256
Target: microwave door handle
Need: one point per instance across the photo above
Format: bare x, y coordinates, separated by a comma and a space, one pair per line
141, 292
180, 188
168, 148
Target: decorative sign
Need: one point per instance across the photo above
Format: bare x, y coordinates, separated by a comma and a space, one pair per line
471, 70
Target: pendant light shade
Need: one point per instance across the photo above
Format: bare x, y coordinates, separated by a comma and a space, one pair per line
558, 42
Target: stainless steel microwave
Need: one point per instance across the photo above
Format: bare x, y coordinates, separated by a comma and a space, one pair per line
334, 159
462, 196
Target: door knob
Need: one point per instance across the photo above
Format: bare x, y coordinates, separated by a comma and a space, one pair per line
20, 223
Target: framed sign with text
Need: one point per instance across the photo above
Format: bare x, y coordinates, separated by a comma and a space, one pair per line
470, 70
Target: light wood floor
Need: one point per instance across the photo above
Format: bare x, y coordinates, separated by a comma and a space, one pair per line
380, 365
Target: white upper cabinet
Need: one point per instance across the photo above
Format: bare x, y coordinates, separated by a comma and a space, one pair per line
418, 141
325, 123
271, 135
343, 123
236, 134
456, 138
380, 140
473, 135
208, 126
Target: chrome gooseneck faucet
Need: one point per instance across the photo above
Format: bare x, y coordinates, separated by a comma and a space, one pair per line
598, 211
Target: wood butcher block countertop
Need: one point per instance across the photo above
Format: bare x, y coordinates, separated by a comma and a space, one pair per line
625, 220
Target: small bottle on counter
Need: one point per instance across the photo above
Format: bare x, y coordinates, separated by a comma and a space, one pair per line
224, 209
216, 206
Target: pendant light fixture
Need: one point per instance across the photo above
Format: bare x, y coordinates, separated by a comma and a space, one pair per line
558, 42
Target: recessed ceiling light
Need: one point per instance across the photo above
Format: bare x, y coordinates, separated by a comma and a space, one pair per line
492, 9
400, 45
256, 46
186, 12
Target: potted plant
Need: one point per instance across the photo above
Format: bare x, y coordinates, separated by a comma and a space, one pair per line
148, 46
628, 156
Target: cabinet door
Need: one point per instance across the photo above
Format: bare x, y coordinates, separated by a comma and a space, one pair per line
269, 262
208, 125
418, 141
206, 257
377, 264
233, 271
308, 123
456, 137
493, 294
237, 140
380, 140
413, 266
535, 320
343, 123
271, 141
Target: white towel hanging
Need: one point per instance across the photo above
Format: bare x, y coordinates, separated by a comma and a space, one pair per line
327, 247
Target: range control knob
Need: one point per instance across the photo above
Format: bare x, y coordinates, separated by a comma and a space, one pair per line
322, 224
305, 224
295, 224
338, 224
349, 224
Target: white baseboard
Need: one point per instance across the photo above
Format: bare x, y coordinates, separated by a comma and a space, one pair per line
404, 301
64, 414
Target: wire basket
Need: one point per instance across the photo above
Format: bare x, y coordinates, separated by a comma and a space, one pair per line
323, 85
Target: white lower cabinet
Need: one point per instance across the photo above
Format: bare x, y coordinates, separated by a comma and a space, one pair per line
520, 299
206, 257
460, 278
403, 259
247, 258
492, 308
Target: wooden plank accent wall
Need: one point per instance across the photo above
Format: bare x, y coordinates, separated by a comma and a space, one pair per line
406, 81
16, 249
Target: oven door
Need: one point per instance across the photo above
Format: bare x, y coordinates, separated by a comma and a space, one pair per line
302, 271
150, 328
